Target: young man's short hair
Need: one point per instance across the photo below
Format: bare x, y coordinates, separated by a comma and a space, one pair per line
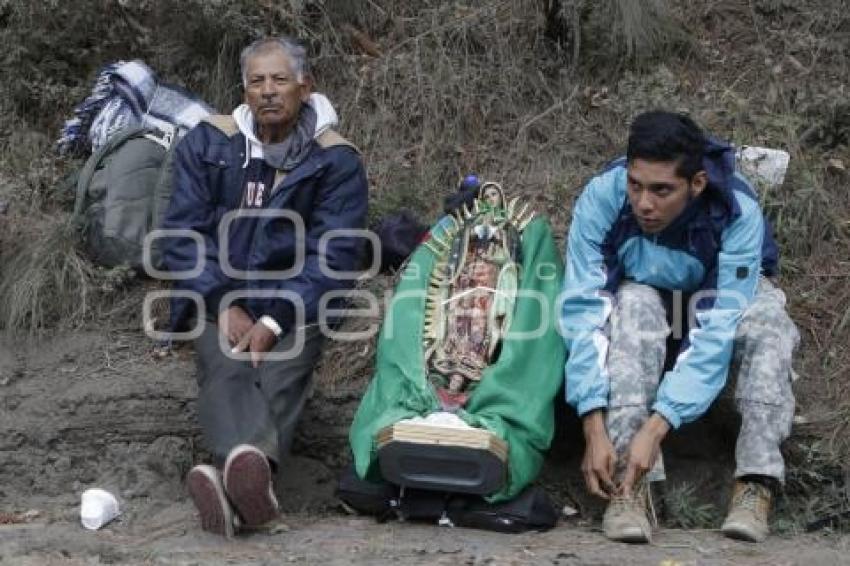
667, 136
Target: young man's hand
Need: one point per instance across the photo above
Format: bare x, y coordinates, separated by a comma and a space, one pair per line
599, 456
643, 451
258, 340
234, 323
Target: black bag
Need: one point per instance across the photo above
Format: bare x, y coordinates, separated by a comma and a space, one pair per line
399, 234
530, 510
363, 496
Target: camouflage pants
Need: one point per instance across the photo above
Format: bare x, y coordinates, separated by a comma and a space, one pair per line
761, 368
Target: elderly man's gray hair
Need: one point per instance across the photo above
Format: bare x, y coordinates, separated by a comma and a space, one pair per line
291, 48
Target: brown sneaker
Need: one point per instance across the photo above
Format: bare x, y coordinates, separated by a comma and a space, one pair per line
747, 518
215, 513
627, 519
248, 484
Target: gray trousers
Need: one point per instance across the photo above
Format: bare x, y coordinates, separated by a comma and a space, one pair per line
239, 404
760, 374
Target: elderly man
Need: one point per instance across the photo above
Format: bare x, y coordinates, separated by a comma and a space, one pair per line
258, 197
674, 219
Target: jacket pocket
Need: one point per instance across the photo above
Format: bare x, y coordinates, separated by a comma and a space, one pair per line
224, 176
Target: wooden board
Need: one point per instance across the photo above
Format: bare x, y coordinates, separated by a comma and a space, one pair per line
427, 434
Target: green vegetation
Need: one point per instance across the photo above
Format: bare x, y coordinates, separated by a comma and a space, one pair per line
683, 509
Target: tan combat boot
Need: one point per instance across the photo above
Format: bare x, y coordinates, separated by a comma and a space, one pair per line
627, 519
747, 518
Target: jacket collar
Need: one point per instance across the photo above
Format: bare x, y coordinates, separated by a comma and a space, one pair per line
323, 111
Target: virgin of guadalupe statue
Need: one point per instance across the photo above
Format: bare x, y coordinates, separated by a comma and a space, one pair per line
470, 336
472, 293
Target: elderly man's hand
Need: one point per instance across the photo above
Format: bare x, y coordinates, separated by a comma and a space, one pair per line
234, 323
259, 340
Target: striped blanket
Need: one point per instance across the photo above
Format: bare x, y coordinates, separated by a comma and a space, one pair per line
127, 94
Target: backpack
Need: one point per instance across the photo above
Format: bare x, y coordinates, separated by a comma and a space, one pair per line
122, 194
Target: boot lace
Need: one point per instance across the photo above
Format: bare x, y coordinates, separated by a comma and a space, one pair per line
640, 502
751, 498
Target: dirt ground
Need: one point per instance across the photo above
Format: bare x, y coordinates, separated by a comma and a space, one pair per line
170, 536
96, 408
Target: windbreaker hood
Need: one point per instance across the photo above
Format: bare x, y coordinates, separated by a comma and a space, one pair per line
718, 160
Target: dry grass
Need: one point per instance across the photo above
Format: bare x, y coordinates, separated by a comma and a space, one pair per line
47, 281
615, 32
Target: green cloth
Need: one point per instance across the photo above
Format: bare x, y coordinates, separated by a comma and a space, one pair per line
515, 398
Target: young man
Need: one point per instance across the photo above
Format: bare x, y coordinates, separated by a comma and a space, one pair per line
263, 190
673, 228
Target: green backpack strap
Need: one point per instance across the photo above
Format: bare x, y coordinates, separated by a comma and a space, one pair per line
161, 198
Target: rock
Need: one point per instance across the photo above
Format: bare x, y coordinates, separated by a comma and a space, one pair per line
835, 165
279, 527
31, 515
569, 511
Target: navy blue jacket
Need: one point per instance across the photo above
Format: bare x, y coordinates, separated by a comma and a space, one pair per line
327, 191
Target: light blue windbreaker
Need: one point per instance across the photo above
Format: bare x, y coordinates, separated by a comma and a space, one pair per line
721, 242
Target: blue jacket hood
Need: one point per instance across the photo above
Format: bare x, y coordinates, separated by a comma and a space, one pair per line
718, 160
718, 199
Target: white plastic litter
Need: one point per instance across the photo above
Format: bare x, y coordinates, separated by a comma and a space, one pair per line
764, 166
98, 507
569, 511
444, 521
